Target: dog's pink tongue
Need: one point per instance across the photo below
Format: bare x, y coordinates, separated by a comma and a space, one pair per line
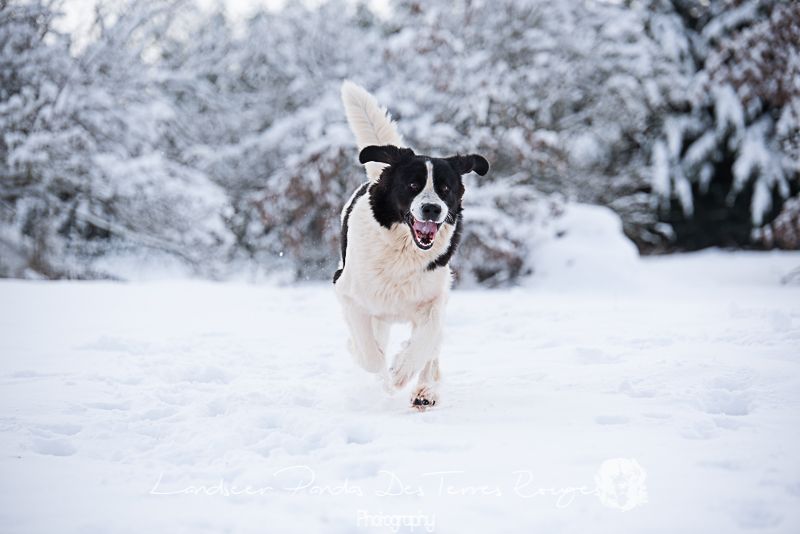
426, 228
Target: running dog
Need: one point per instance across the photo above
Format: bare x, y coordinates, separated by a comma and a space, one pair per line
399, 231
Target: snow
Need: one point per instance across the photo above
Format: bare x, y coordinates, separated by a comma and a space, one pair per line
146, 406
589, 248
584, 150
660, 179
683, 189
755, 158
728, 110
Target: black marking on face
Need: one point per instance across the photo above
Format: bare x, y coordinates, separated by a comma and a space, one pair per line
345, 223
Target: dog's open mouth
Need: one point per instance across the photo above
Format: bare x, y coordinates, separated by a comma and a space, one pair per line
423, 232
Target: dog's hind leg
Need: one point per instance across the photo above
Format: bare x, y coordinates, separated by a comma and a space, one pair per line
363, 344
381, 330
426, 393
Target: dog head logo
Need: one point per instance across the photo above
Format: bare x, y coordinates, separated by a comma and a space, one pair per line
621, 484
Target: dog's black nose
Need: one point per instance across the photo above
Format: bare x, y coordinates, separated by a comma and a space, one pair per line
431, 212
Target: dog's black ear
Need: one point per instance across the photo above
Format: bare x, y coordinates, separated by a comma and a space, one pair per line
388, 154
469, 163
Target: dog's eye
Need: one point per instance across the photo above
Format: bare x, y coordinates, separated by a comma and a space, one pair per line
445, 189
414, 186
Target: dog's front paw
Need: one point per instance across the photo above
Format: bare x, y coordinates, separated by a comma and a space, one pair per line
423, 398
386, 381
402, 371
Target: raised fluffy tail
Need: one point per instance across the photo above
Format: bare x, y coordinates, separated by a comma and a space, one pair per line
369, 122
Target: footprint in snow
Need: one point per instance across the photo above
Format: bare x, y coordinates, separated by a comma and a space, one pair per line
359, 436
53, 447
725, 402
780, 321
26, 373
657, 415
271, 421
154, 414
115, 344
588, 356
756, 515
217, 407
49, 430
700, 430
722, 464
636, 391
360, 469
737, 380
729, 423
202, 375
122, 406
611, 420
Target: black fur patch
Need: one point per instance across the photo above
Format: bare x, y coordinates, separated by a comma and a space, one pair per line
391, 199
469, 163
389, 154
361, 191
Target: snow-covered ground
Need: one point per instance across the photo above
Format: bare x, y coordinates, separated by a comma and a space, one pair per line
146, 407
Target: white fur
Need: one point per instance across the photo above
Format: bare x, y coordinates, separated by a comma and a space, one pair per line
369, 122
385, 278
428, 196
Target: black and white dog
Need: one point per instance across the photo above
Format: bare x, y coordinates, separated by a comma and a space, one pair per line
399, 231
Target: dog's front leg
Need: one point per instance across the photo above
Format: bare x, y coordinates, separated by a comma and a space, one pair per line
423, 345
426, 393
362, 344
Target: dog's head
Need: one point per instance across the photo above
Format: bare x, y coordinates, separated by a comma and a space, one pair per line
420, 191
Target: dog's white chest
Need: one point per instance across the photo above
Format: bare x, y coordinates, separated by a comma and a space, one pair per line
385, 272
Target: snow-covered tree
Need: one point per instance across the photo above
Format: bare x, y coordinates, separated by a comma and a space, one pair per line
87, 142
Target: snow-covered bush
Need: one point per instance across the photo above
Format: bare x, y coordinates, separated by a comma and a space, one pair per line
223, 142
565, 93
784, 231
503, 223
86, 166
729, 156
